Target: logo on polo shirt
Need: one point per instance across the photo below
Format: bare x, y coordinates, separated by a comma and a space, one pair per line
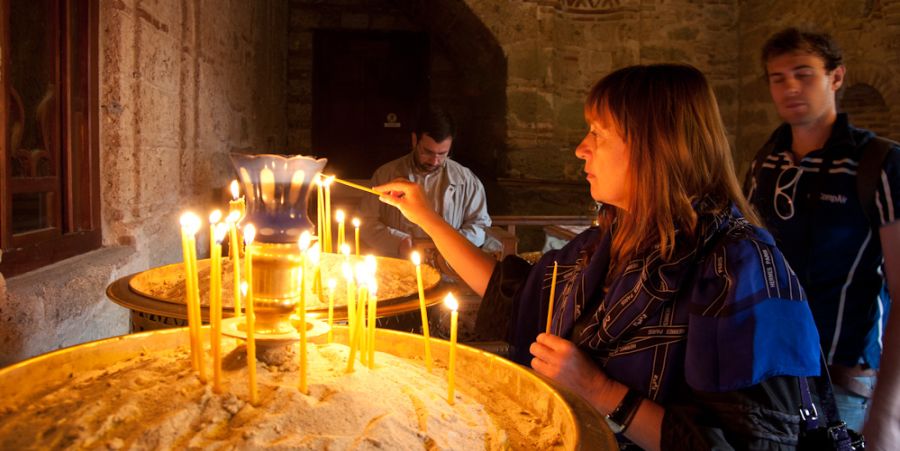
833, 198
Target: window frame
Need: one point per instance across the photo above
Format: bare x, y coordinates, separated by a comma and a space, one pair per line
75, 228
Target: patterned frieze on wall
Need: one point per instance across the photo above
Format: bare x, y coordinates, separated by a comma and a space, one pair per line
867, 31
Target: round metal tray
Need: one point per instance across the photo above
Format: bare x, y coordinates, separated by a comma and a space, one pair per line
579, 425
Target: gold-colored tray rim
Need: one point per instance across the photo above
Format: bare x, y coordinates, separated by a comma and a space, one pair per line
122, 292
589, 430
138, 284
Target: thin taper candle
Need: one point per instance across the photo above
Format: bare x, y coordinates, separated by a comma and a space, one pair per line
191, 223
331, 286
417, 261
249, 234
188, 229
328, 238
450, 301
354, 185
305, 239
320, 212
362, 333
351, 302
215, 301
340, 217
235, 252
552, 297
373, 307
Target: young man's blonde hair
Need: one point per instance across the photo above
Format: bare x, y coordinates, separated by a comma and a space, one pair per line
679, 154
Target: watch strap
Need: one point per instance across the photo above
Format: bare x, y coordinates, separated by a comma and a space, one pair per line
625, 411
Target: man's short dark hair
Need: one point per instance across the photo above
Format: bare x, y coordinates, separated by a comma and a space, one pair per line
437, 123
793, 40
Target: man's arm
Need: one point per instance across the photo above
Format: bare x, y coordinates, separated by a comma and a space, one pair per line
882, 429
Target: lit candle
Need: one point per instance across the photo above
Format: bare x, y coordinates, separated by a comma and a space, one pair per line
360, 335
417, 260
215, 298
304, 241
320, 212
369, 267
328, 238
235, 252
339, 215
332, 284
237, 203
357, 333
315, 255
356, 235
351, 302
373, 306
345, 249
552, 296
189, 225
247, 287
451, 303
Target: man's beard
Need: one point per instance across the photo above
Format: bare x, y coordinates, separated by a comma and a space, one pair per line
427, 169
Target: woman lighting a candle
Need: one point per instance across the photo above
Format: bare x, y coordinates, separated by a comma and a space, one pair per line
676, 317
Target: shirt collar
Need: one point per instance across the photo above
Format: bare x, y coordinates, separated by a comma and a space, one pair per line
840, 135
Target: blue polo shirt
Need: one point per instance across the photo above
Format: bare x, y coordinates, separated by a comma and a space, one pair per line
813, 210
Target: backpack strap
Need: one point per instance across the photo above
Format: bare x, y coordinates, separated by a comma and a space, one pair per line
868, 175
758, 159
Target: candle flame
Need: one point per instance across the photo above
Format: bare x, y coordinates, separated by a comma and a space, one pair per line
234, 216
190, 223
450, 302
416, 258
339, 215
356, 222
304, 241
362, 273
373, 288
249, 234
215, 217
348, 272
332, 283
220, 231
314, 254
235, 189
329, 180
345, 249
244, 288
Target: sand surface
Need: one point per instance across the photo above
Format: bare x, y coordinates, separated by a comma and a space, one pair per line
156, 401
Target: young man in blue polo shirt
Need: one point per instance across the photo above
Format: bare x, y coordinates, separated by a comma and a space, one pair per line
804, 185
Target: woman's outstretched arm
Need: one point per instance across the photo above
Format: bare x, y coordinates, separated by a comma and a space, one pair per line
473, 265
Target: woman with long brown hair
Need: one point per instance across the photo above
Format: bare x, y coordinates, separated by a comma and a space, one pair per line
676, 317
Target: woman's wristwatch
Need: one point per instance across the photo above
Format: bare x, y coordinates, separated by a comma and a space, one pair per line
620, 418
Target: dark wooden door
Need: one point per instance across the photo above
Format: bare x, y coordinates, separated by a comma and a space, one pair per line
368, 88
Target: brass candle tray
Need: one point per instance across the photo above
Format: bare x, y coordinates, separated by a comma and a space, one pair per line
161, 290
509, 392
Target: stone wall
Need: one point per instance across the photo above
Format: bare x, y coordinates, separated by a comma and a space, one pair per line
182, 84
465, 71
520, 71
867, 31
556, 50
